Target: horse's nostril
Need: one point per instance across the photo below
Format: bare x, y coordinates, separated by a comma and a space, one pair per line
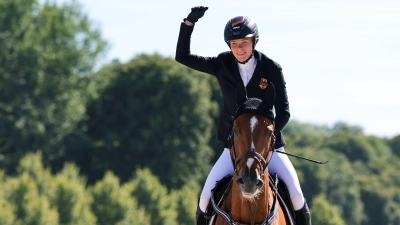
240, 181
259, 184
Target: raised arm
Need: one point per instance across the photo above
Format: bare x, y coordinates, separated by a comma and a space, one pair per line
183, 54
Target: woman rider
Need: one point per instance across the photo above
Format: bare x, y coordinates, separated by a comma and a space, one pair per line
243, 68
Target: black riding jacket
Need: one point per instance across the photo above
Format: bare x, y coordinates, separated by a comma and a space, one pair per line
267, 84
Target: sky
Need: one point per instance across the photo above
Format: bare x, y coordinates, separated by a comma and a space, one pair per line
340, 59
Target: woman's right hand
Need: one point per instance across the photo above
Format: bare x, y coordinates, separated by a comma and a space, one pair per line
196, 13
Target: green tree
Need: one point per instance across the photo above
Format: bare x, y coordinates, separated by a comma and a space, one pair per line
216, 98
71, 198
113, 204
155, 113
46, 53
7, 212
187, 201
374, 201
300, 135
30, 207
394, 144
66, 192
7, 216
336, 180
379, 182
32, 165
344, 127
325, 213
154, 197
354, 146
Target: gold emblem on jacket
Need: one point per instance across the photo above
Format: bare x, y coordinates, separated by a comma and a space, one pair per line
263, 83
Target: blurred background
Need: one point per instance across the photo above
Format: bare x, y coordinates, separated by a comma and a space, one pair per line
100, 125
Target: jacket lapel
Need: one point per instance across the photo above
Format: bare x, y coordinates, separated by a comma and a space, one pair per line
259, 71
235, 70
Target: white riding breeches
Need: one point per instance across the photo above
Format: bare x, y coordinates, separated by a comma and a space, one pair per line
279, 164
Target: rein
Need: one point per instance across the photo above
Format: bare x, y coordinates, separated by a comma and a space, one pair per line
228, 219
262, 162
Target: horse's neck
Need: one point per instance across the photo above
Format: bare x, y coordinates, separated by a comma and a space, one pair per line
240, 206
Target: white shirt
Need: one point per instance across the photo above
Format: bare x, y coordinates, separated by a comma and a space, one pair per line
246, 70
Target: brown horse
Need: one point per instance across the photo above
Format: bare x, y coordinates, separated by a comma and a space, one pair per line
250, 199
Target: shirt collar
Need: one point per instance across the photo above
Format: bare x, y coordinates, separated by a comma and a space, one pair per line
251, 63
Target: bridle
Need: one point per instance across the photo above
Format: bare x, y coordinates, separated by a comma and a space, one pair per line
251, 153
263, 163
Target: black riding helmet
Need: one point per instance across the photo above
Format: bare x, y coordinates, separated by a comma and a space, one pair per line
241, 27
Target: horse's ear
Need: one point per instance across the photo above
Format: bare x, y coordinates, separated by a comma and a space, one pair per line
240, 94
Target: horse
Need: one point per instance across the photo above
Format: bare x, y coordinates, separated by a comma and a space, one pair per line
250, 199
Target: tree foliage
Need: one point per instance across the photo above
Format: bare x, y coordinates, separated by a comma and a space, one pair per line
30, 207
153, 113
358, 147
113, 203
66, 198
394, 144
337, 183
360, 167
325, 213
154, 197
71, 198
46, 52
186, 199
7, 216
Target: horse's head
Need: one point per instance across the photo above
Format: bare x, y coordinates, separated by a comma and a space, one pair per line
253, 139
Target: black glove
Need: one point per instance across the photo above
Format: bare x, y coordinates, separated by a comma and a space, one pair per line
196, 13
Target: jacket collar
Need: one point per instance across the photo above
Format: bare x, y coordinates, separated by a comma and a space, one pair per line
261, 60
